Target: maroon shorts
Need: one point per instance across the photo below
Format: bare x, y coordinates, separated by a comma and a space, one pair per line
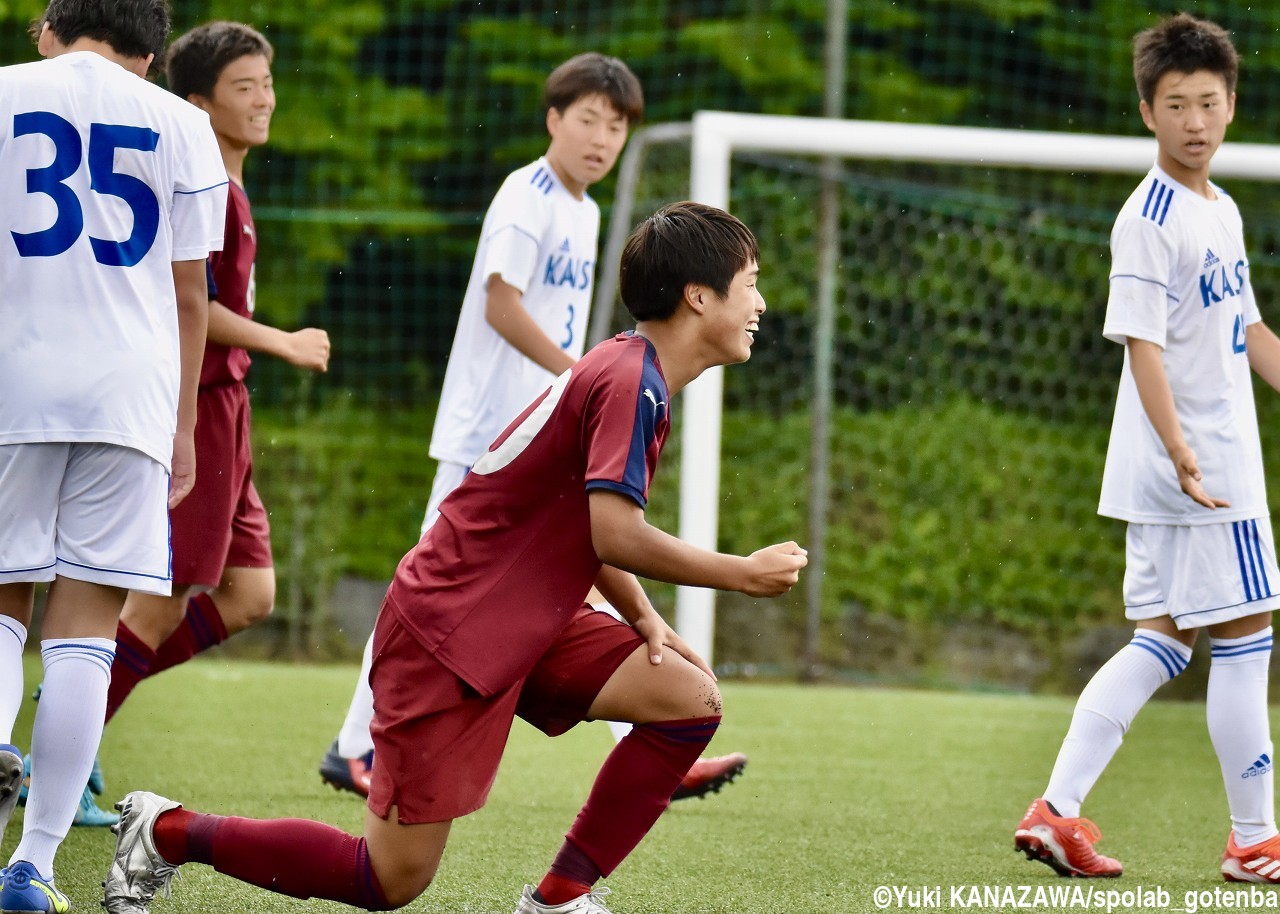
222, 522
437, 742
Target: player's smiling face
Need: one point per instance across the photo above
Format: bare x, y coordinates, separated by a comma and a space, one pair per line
242, 103
737, 316
586, 138
1189, 114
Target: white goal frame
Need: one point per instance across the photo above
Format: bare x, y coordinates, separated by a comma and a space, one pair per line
718, 134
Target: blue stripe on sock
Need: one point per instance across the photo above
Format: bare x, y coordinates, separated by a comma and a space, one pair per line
1149, 646
1176, 658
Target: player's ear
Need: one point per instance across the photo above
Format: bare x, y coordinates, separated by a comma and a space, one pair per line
695, 296
44, 43
1145, 110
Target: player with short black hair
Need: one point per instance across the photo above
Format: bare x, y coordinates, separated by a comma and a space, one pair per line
485, 621
112, 194
1185, 426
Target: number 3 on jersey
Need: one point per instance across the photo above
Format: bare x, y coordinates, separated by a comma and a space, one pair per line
104, 140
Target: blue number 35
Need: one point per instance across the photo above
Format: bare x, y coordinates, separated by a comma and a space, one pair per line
104, 140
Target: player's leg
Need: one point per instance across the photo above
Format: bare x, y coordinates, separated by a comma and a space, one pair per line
600, 669
1236, 706
348, 764
145, 622
707, 775
1052, 830
112, 534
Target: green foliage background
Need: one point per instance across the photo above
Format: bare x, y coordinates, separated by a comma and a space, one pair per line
972, 402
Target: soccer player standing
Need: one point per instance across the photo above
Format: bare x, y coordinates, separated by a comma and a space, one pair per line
112, 194
1184, 466
484, 619
523, 322
222, 565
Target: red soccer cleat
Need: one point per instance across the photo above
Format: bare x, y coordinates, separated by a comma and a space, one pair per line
1064, 844
352, 774
1257, 863
708, 775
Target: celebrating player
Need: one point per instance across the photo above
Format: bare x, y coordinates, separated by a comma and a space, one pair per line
523, 322
484, 620
221, 538
111, 196
1184, 466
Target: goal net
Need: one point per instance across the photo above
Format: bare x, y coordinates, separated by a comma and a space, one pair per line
970, 387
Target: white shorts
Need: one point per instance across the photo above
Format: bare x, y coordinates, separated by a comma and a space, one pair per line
93, 512
448, 477
1200, 575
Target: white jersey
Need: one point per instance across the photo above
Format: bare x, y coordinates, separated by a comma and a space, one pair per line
105, 180
540, 239
1180, 279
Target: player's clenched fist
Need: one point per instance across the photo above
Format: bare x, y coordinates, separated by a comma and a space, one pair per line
773, 570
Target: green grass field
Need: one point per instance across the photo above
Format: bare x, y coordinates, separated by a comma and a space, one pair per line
848, 789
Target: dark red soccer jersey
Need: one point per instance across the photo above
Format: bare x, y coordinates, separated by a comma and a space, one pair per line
510, 559
231, 284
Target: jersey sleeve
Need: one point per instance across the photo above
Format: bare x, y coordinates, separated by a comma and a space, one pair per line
1142, 269
199, 196
626, 420
514, 229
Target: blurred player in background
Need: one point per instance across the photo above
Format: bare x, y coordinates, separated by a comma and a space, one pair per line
523, 322
1184, 467
484, 619
112, 195
222, 563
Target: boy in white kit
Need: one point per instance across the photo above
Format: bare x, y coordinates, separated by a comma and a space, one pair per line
112, 194
1184, 467
523, 322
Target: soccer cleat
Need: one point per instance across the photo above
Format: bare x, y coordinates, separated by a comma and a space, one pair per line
90, 815
354, 774
591, 903
708, 775
1065, 845
26, 890
10, 782
137, 870
1257, 863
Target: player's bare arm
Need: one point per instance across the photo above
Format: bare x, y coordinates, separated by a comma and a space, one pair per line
623, 538
1263, 348
307, 348
625, 594
193, 324
1146, 362
505, 311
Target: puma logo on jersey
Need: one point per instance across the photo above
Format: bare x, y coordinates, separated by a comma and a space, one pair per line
657, 404
566, 271
1217, 284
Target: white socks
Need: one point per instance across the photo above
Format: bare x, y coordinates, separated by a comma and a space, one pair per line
1236, 710
1106, 708
354, 739
13, 637
64, 741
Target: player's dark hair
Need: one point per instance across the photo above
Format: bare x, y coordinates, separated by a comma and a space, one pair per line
682, 243
595, 74
134, 28
1183, 44
196, 60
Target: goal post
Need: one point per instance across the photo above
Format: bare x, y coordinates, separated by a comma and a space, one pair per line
716, 136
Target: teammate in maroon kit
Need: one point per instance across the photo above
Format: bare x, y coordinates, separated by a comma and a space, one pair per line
485, 618
222, 569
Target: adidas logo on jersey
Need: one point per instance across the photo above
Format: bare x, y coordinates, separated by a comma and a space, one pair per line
1258, 768
565, 246
1210, 259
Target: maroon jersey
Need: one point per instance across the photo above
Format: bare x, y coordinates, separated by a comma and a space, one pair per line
509, 561
231, 284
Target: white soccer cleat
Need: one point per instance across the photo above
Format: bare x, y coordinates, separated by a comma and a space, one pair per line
137, 870
591, 903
